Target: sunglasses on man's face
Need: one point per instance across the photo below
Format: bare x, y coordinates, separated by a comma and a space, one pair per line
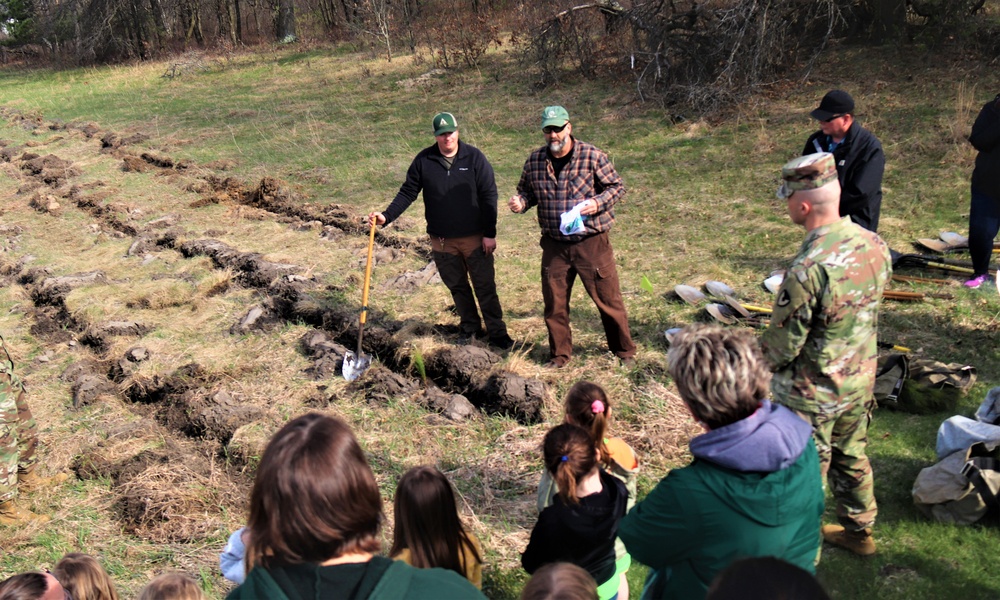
830, 119
553, 129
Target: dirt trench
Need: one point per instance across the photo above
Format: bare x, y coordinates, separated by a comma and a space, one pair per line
204, 433
456, 370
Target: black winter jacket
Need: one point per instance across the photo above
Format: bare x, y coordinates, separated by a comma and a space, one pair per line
860, 164
582, 534
459, 201
986, 138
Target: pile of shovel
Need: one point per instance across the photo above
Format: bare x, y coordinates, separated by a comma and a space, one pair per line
724, 306
730, 311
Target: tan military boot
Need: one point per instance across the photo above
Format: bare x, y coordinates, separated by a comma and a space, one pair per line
11, 514
32, 482
858, 542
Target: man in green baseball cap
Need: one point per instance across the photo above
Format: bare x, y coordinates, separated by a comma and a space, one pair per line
554, 116
460, 205
821, 341
575, 187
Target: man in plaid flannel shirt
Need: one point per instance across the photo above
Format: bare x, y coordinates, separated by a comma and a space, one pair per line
558, 177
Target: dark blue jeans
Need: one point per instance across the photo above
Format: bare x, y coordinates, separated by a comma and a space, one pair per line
984, 223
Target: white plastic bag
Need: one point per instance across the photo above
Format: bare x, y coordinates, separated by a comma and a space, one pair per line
571, 221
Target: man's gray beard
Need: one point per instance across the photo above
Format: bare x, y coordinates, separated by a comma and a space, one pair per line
555, 147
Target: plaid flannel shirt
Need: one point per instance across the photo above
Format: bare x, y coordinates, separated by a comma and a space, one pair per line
589, 175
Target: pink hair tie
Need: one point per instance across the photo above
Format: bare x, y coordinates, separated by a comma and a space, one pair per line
597, 407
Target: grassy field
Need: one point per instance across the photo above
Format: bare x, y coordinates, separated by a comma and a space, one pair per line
339, 130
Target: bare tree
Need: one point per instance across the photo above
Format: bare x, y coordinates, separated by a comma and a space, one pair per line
284, 21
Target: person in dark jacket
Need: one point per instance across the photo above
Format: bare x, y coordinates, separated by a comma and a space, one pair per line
315, 512
753, 488
859, 156
460, 205
581, 524
984, 216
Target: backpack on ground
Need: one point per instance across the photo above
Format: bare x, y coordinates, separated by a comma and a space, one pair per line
962, 488
921, 386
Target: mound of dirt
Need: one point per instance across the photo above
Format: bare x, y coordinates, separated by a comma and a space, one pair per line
260, 317
512, 395
114, 140
201, 414
460, 366
455, 407
381, 385
411, 281
50, 169
166, 494
52, 290
250, 267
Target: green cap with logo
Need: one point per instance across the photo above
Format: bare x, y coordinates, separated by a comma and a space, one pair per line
807, 173
444, 123
554, 116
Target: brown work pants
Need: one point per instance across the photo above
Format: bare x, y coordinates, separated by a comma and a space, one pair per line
460, 260
594, 261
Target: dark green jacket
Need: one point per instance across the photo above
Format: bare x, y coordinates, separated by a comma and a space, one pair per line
700, 518
382, 579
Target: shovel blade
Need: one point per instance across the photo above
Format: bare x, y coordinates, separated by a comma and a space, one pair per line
773, 283
719, 289
721, 313
355, 365
689, 294
954, 240
935, 245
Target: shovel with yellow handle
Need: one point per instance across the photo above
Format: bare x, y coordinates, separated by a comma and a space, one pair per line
356, 363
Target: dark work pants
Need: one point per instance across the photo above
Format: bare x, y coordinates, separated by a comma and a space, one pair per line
460, 260
594, 261
984, 223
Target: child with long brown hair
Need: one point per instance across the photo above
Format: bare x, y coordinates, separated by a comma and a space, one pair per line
84, 577
428, 531
581, 524
588, 407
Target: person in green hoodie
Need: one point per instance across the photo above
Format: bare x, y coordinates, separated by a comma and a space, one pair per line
315, 512
753, 488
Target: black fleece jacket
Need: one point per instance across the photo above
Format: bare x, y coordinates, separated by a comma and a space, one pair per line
860, 164
583, 534
459, 201
986, 138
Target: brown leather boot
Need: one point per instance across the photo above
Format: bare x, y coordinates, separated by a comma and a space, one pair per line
11, 514
859, 542
32, 482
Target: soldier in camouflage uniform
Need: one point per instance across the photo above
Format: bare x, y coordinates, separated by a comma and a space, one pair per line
821, 342
18, 441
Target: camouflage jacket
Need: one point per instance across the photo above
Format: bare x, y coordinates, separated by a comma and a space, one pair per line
821, 342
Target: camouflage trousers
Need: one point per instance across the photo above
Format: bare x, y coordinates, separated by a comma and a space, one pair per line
18, 434
841, 440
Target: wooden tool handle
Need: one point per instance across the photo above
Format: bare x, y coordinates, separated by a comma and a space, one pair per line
368, 274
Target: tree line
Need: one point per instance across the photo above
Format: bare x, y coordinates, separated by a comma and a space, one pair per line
701, 53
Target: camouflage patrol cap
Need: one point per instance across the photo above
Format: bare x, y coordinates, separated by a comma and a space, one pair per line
807, 173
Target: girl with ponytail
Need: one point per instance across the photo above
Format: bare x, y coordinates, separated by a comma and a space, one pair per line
581, 524
588, 406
